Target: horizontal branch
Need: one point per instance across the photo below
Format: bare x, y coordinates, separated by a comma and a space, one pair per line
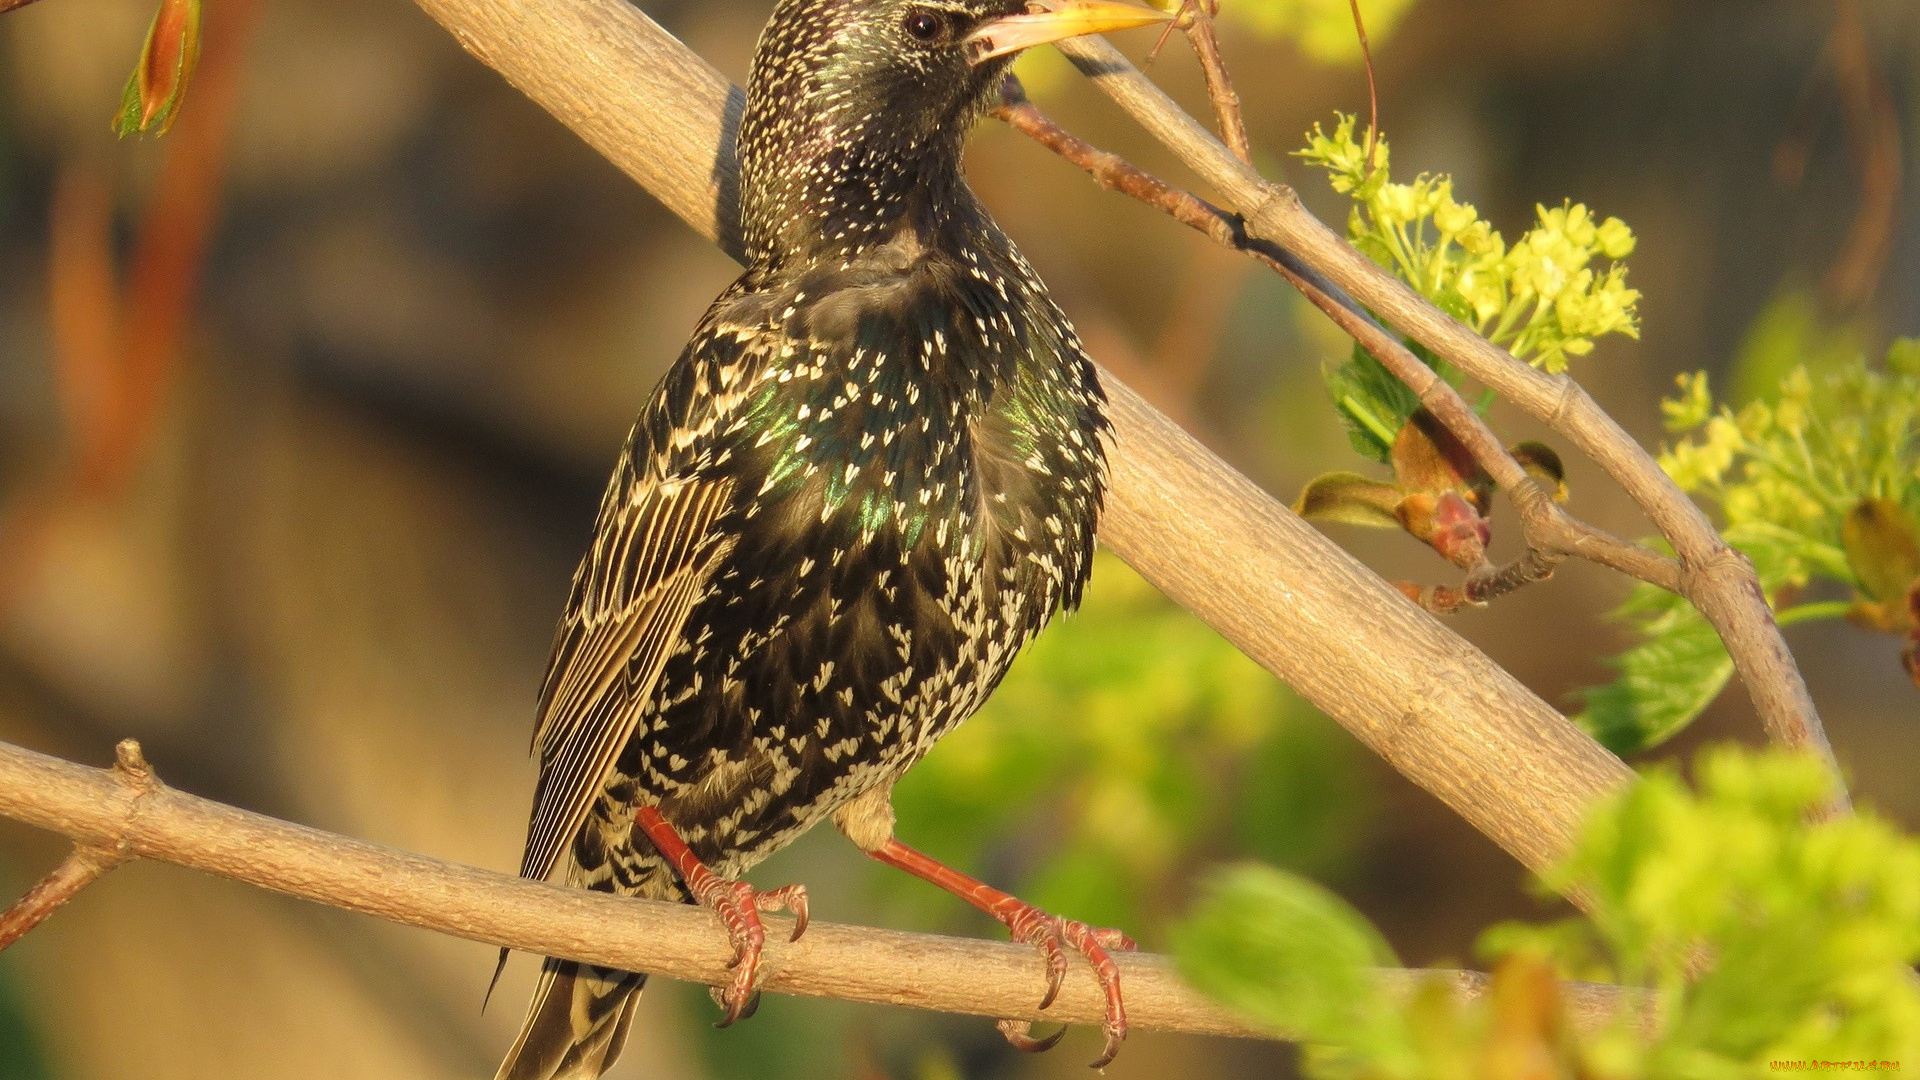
99, 810
1425, 699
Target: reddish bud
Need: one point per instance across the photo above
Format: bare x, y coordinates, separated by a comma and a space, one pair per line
1460, 534
1911, 658
159, 83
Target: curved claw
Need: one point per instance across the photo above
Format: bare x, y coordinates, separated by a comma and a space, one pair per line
1052, 934
1018, 1033
738, 906
788, 898
1115, 1036
1056, 968
721, 995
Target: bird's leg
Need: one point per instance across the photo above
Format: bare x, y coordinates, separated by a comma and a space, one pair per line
1051, 933
738, 905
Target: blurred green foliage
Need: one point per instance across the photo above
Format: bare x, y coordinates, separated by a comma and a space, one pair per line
21, 1057
1323, 29
1763, 937
1138, 738
1291, 955
1817, 478
789, 1038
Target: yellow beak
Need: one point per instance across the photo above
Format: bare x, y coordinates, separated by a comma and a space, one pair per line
1057, 19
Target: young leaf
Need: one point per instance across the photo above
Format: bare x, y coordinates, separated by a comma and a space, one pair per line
1350, 499
154, 92
1374, 404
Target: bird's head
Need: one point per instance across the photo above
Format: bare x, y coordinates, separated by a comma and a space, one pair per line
854, 104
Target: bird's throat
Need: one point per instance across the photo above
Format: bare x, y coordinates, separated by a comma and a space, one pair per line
845, 195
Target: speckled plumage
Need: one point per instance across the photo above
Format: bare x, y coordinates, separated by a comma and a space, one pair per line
872, 476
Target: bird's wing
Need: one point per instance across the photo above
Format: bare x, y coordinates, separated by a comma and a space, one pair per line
655, 548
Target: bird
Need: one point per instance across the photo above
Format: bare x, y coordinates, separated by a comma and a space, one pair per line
874, 473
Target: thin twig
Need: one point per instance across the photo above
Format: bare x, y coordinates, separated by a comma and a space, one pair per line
1550, 532
77, 871
1717, 579
1197, 20
90, 858
1873, 137
97, 808
1373, 89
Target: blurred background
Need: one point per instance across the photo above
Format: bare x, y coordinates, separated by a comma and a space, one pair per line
305, 409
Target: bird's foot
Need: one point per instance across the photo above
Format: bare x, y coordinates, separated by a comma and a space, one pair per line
1051, 933
738, 906
1054, 935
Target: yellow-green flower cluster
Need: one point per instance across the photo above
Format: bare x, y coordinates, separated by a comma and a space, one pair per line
1786, 471
1543, 297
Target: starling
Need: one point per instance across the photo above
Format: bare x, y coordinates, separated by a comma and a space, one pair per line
873, 475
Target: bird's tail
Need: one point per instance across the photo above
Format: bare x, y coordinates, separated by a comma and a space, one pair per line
576, 1025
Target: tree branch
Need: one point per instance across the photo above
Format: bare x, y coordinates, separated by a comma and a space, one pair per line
1429, 702
102, 812
75, 872
1716, 578
90, 858
1550, 532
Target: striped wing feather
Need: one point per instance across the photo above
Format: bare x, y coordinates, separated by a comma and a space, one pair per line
653, 553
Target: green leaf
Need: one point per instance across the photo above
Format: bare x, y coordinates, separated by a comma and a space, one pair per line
1811, 928
1680, 666
1374, 404
1665, 681
1290, 955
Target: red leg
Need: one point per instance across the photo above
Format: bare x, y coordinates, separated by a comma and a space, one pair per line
736, 903
1035, 927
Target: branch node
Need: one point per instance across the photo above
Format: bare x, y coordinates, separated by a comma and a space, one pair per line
130, 765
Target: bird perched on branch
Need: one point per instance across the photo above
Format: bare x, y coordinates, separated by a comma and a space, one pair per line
872, 476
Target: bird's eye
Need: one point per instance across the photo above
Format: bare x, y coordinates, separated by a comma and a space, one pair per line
925, 26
